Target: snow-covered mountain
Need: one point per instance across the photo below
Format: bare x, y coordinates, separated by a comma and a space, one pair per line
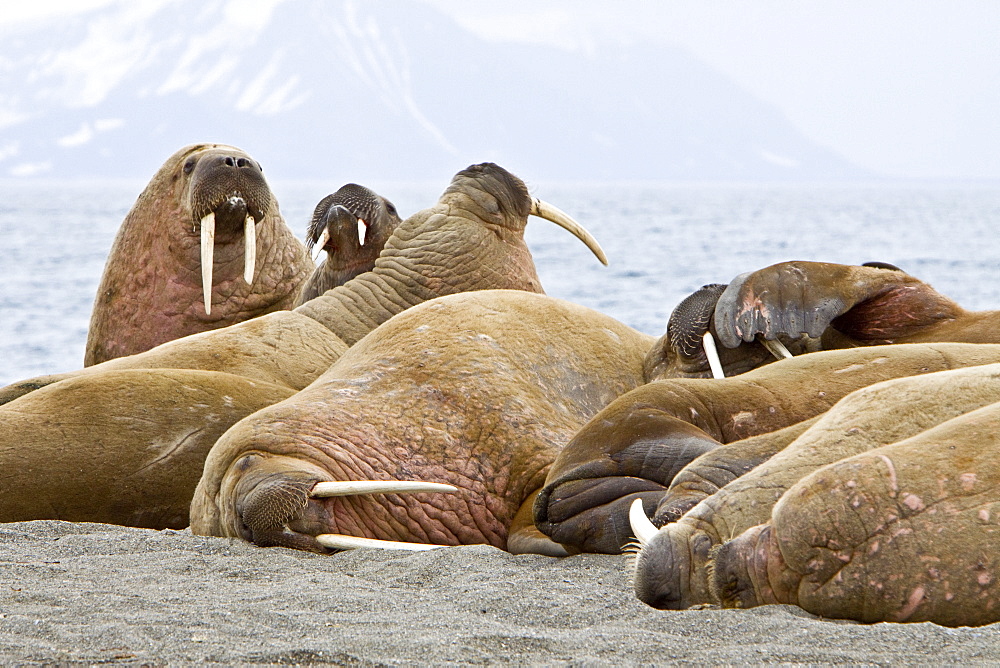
342, 90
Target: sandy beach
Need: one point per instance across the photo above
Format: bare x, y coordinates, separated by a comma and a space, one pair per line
93, 593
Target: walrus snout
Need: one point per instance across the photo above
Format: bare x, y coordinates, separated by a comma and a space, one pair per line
267, 503
219, 178
670, 569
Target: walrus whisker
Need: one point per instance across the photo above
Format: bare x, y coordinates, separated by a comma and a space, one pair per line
207, 256
338, 541
320, 244
643, 529
563, 220
351, 487
712, 353
249, 248
776, 348
362, 231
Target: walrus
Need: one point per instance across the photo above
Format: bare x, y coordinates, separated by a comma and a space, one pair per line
904, 533
797, 307
471, 239
673, 570
351, 226
478, 391
636, 445
185, 258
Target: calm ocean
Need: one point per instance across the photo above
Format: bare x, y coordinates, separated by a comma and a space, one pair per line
663, 241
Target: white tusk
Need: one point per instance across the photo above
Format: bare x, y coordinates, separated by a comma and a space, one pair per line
643, 529
563, 220
362, 231
777, 348
249, 248
349, 487
341, 542
207, 257
712, 353
321, 243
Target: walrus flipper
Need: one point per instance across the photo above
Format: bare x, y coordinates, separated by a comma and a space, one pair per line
870, 305
608, 465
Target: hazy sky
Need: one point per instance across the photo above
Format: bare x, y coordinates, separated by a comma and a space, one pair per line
907, 88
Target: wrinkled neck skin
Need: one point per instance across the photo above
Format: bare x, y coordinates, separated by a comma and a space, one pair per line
459, 245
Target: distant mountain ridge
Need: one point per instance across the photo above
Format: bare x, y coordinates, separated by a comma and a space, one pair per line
391, 89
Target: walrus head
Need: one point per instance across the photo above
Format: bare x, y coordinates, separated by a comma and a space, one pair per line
352, 226
227, 195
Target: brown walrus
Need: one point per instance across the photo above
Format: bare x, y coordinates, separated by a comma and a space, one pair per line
185, 259
674, 568
639, 442
478, 390
472, 239
805, 307
906, 532
351, 226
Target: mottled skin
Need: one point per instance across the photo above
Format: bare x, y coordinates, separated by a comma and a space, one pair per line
472, 239
339, 215
674, 570
151, 290
812, 306
478, 390
907, 532
594, 480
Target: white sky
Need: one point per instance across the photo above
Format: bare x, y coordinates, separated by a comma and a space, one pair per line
907, 88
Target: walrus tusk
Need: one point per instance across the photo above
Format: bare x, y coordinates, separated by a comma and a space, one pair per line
350, 487
643, 529
249, 248
339, 541
776, 347
207, 257
321, 243
712, 353
362, 231
563, 220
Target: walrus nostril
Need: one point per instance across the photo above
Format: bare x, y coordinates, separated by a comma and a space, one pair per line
230, 161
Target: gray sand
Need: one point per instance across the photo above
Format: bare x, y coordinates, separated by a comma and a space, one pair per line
95, 593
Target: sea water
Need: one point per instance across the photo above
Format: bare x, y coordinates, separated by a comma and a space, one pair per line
663, 241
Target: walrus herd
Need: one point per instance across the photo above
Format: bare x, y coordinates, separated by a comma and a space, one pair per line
810, 433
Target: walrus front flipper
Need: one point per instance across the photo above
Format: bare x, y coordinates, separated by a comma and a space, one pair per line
869, 305
523, 537
609, 463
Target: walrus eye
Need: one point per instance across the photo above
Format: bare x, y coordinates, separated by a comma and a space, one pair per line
189, 165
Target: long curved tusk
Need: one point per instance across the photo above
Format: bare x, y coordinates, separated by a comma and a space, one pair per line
563, 220
207, 257
712, 353
320, 243
362, 231
249, 248
339, 541
776, 348
643, 529
350, 487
